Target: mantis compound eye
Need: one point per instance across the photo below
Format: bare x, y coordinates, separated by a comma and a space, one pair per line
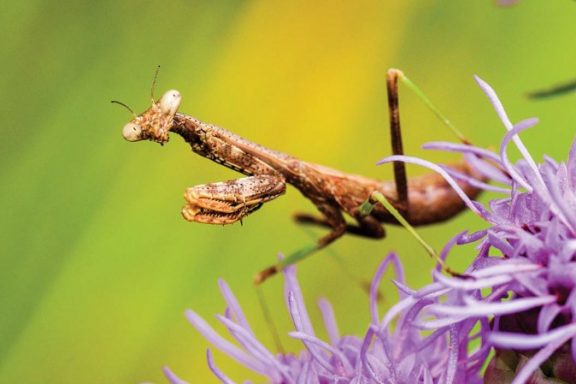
170, 101
132, 131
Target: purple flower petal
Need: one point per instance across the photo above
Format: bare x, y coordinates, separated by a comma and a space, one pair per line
392, 257
506, 121
223, 378
413, 160
441, 322
396, 310
540, 357
252, 344
524, 342
571, 166
335, 352
224, 345
513, 266
501, 244
565, 211
462, 148
493, 171
447, 248
512, 134
547, 316
478, 308
291, 287
452, 365
365, 361
171, 376
329, 320
427, 377
469, 285
233, 305
295, 308
487, 89
473, 181
403, 289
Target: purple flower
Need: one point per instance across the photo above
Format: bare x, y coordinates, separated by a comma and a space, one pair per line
524, 275
384, 354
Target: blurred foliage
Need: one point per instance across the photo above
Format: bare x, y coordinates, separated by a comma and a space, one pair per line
97, 265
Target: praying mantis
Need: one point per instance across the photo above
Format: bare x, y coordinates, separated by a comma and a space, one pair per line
421, 200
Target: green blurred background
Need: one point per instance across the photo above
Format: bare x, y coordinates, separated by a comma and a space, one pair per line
97, 266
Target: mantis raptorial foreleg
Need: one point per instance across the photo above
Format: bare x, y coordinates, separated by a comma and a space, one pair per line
229, 201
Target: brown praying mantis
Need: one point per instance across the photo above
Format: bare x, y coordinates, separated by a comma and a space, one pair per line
422, 200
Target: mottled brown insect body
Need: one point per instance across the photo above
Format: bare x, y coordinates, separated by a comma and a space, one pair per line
422, 200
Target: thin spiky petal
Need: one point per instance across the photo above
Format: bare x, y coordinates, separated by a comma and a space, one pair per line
384, 355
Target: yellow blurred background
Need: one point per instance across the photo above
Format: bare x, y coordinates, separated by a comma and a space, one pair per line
96, 264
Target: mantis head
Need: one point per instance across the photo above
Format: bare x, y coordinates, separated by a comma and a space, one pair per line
154, 123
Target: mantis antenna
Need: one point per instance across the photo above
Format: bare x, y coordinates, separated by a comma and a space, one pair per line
125, 106
154, 83
151, 94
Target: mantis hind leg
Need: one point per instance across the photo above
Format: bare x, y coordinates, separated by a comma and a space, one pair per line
333, 219
368, 226
400, 178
